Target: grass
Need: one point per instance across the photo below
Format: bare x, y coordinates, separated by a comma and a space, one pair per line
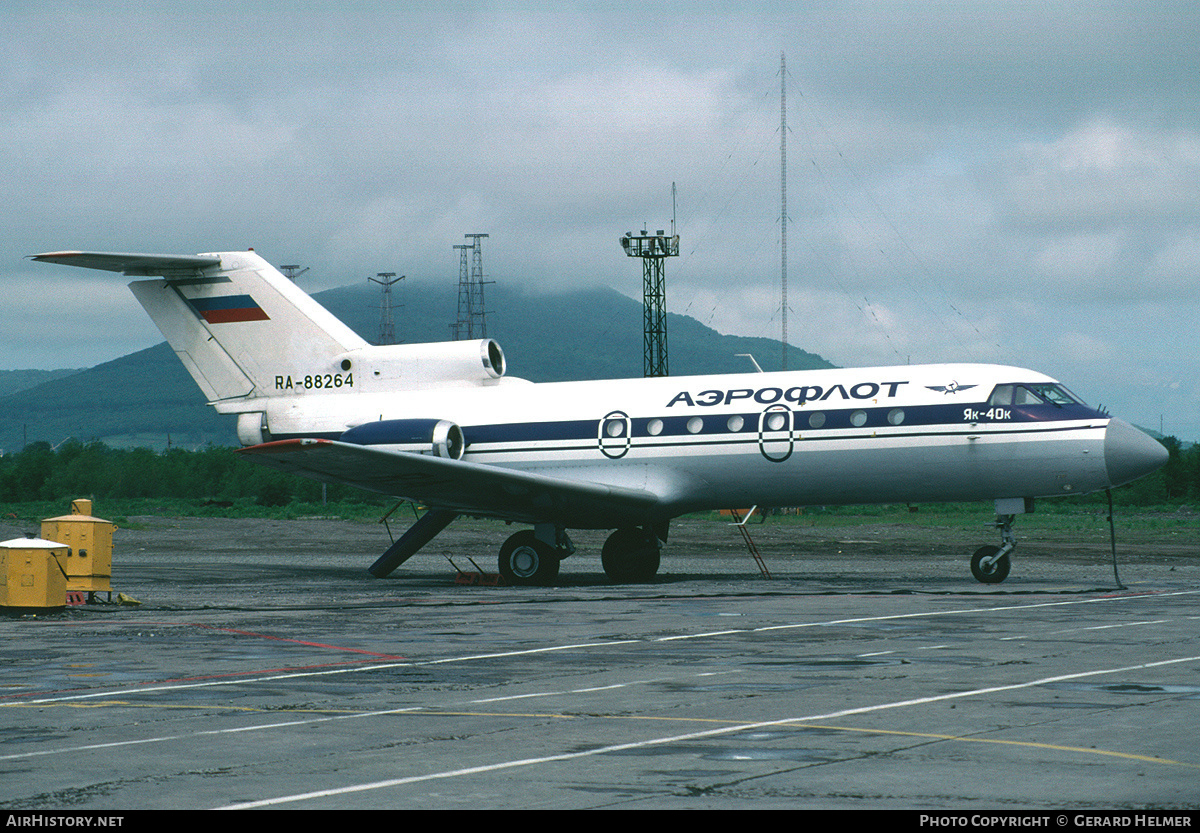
1050, 515
119, 511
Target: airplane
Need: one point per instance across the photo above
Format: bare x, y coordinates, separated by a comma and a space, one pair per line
442, 425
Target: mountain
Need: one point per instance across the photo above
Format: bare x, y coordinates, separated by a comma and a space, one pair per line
13, 381
148, 399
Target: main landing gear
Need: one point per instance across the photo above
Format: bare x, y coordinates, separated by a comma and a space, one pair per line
532, 556
527, 558
630, 555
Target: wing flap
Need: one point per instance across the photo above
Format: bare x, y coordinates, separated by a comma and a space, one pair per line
468, 488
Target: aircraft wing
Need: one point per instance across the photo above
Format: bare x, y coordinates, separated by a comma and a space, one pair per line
134, 265
468, 488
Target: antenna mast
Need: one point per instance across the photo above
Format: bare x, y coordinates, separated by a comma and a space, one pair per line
783, 216
654, 249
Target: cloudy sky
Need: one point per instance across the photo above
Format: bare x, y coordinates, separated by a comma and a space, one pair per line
994, 182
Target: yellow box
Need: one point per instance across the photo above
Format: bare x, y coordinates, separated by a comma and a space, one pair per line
89, 542
31, 574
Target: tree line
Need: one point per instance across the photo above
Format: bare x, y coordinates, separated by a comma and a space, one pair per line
215, 473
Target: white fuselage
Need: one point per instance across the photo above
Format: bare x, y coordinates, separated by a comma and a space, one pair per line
863, 435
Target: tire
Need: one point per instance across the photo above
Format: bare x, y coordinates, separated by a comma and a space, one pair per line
993, 574
526, 561
630, 556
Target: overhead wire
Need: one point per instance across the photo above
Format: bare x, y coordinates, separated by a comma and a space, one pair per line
731, 179
922, 267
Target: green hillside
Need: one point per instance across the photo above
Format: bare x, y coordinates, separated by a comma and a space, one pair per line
13, 381
147, 399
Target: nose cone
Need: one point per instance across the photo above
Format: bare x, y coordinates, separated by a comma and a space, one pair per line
1130, 453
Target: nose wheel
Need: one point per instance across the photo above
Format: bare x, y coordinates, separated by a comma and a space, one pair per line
990, 564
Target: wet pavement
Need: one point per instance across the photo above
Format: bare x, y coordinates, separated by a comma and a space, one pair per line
265, 667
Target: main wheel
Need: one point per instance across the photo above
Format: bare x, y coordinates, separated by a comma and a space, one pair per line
630, 556
993, 573
524, 560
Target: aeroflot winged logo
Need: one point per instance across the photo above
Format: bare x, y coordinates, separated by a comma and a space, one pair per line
228, 308
953, 387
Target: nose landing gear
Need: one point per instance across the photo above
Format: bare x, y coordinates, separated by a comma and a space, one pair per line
990, 564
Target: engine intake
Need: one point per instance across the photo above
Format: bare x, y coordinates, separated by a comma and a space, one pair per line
411, 366
439, 437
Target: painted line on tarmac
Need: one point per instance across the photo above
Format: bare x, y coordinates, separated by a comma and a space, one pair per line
355, 669
150, 689
708, 733
308, 721
206, 732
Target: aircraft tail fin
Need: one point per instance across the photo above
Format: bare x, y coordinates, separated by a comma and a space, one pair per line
233, 319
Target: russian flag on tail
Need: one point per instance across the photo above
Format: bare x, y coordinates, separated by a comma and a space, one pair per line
228, 308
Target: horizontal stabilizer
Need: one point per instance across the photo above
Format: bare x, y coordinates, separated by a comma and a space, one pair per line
134, 265
470, 488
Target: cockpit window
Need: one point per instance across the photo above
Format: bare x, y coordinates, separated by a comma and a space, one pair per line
1033, 394
1002, 395
1055, 394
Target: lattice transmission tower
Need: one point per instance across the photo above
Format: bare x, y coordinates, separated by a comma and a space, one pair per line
472, 311
292, 271
387, 327
461, 324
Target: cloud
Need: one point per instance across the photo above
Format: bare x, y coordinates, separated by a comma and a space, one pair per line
1106, 173
964, 181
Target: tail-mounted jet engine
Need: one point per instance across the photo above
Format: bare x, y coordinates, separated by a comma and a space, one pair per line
439, 437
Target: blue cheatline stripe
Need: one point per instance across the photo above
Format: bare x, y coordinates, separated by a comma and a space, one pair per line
920, 421
681, 441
